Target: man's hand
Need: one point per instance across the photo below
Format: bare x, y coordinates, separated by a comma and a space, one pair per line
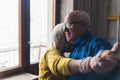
106, 60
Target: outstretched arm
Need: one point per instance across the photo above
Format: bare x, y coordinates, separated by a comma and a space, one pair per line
105, 61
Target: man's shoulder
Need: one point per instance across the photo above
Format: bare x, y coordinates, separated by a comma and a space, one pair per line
97, 39
99, 42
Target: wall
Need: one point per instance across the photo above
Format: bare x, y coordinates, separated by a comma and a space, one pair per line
98, 10
115, 7
50, 21
66, 7
115, 11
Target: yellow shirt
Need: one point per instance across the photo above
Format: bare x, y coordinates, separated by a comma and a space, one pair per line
53, 66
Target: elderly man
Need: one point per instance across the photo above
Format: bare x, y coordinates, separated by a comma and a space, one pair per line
85, 45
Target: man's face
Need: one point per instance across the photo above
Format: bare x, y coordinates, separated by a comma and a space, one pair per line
74, 26
72, 31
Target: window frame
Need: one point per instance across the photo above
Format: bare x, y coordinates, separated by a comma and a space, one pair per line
24, 38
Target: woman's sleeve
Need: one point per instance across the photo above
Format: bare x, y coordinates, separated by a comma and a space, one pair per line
57, 63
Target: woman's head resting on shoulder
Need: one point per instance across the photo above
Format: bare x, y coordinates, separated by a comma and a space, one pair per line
59, 39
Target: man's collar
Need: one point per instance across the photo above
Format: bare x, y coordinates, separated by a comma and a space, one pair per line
85, 36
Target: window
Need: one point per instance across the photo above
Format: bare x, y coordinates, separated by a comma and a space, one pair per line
9, 34
38, 28
24, 33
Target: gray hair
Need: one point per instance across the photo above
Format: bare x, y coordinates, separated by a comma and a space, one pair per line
58, 33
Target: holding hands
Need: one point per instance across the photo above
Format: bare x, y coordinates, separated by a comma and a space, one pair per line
105, 60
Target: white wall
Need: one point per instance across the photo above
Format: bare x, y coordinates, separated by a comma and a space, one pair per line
49, 30
66, 7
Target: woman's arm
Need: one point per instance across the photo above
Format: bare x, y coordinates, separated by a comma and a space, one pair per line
82, 65
60, 65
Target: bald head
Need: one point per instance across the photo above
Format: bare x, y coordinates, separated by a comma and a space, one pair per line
76, 16
77, 23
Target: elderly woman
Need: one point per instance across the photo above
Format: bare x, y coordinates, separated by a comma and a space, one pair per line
55, 66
